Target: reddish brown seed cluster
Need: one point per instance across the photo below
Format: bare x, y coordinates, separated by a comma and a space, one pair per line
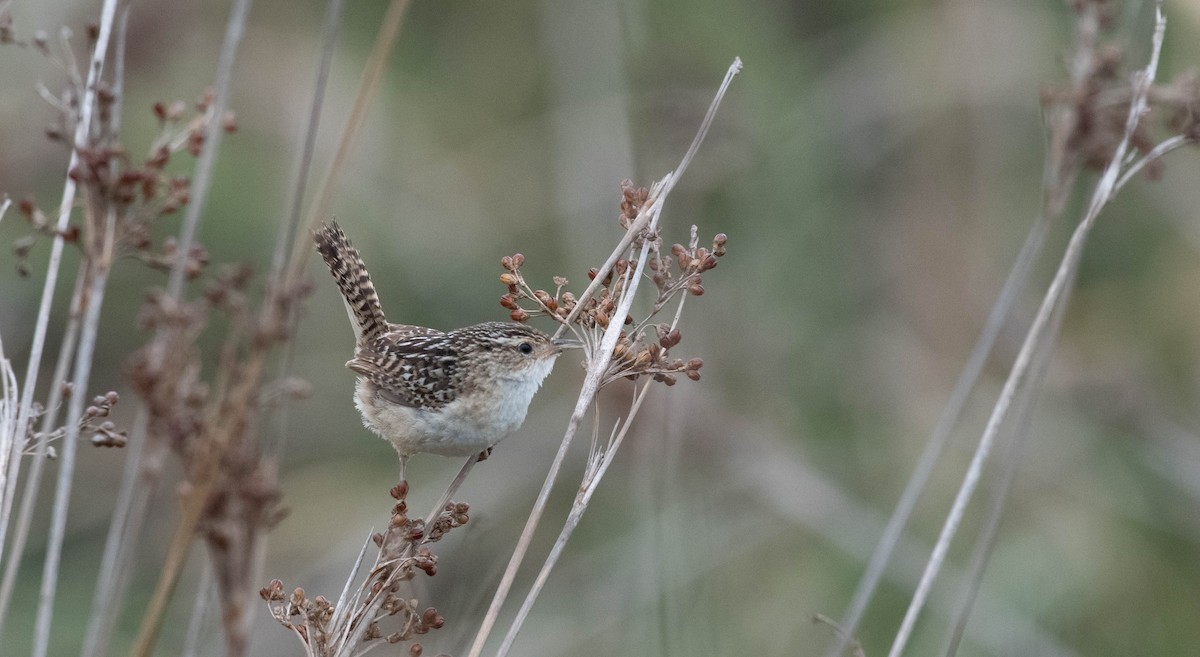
632, 200
637, 352
104, 434
141, 190
403, 551
631, 359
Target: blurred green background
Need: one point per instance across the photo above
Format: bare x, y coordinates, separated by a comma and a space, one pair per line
876, 166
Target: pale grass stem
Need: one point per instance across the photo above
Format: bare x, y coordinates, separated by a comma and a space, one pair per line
1038, 333
93, 301
234, 30
599, 358
8, 477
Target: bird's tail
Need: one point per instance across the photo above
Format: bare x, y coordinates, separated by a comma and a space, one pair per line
348, 269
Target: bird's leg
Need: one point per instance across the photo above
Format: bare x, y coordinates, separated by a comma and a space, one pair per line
452, 489
403, 467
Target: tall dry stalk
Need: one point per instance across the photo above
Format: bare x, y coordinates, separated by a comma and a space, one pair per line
1037, 345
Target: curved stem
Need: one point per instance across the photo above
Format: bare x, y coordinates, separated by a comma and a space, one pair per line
1014, 285
33, 480
1039, 334
93, 301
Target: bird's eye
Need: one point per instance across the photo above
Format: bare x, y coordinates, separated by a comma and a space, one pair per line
525, 348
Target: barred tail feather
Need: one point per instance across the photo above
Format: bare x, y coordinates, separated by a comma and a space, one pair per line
348, 269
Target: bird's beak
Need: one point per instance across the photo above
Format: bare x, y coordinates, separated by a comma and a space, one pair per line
566, 343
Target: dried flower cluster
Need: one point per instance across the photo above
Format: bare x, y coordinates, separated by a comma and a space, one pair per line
212, 425
644, 348
129, 192
104, 432
1099, 98
328, 629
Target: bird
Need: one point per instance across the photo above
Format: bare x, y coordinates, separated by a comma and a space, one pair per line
452, 393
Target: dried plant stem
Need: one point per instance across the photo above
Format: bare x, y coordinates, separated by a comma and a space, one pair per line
1038, 333
235, 28
598, 360
1160, 150
191, 639
368, 85
147, 634
223, 425
451, 489
33, 479
123, 529
8, 476
1020, 423
656, 196
1014, 285
582, 499
291, 222
93, 301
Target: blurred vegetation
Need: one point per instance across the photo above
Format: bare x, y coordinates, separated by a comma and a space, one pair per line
875, 166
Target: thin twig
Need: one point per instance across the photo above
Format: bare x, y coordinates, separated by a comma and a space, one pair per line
598, 360
1163, 147
191, 638
450, 490
33, 479
573, 517
1020, 422
598, 365
367, 86
1057, 293
124, 525
93, 302
83, 124
656, 196
1014, 285
234, 30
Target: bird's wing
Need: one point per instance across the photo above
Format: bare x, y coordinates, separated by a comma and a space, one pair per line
416, 370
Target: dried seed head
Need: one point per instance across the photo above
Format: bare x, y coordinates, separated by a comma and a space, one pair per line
518, 315
400, 490
508, 279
